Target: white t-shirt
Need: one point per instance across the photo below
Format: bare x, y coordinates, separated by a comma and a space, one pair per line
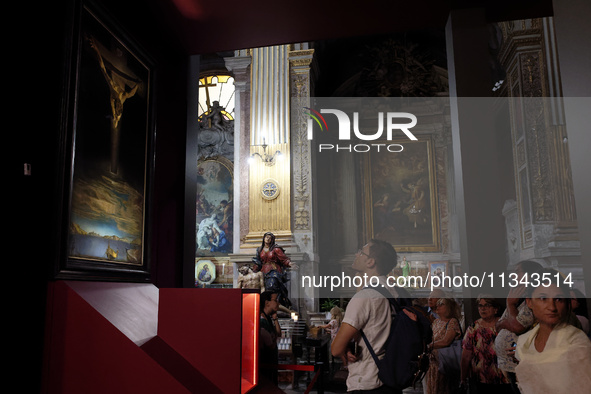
369, 311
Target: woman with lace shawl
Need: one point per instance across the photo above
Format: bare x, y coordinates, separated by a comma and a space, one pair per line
554, 356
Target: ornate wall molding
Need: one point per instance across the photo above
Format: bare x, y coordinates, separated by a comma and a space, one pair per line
300, 82
544, 204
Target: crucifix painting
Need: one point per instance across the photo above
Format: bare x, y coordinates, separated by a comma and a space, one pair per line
123, 85
111, 141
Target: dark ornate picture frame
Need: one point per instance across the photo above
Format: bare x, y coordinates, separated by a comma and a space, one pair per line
107, 151
401, 201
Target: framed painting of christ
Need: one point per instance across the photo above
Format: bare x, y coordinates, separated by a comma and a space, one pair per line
107, 150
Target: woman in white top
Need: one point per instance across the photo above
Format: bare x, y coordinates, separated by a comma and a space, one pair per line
554, 357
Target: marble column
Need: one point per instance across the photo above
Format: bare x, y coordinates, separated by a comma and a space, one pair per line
545, 227
269, 206
239, 65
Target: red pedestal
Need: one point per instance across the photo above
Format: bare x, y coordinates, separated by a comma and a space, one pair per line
206, 342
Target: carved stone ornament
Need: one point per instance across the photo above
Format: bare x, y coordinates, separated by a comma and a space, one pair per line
270, 189
216, 136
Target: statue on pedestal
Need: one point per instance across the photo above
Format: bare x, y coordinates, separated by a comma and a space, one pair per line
272, 261
216, 134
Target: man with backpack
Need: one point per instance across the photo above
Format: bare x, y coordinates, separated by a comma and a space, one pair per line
369, 314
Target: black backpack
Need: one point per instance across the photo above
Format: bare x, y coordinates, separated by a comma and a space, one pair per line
406, 359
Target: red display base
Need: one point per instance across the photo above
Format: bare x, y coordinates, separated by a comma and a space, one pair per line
206, 342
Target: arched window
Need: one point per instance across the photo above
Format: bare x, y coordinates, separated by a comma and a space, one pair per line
218, 88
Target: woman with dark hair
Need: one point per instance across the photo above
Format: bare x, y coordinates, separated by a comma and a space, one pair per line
479, 359
554, 356
272, 262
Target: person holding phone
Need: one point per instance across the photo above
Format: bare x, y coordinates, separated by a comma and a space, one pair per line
555, 356
516, 319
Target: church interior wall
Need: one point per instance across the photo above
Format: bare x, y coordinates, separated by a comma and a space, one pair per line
347, 67
39, 194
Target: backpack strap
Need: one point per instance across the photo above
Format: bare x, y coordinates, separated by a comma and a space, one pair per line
371, 351
384, 292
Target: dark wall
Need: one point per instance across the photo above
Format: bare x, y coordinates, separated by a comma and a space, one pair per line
35, 51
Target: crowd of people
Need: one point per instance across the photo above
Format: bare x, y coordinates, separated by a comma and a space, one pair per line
535, 341
538, 342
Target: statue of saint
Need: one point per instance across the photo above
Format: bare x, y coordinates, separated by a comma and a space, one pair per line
405, 267
272, 261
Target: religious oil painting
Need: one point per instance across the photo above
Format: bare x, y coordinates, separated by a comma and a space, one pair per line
205, 273
215, 207
401, 196
110, 137
438, 269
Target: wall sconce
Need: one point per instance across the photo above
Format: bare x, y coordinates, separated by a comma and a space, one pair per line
266, 158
